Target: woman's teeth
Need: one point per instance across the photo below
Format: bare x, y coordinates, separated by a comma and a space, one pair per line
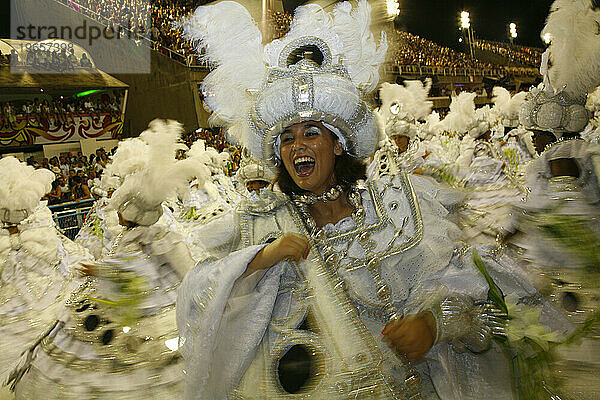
304, 165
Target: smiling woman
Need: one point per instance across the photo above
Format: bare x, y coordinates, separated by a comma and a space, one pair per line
339, 287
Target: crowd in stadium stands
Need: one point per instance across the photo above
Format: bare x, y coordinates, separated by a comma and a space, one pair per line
126, 13
411, 49
280, 23
135, 13
164, 13
408, 49
58, 109
75, 175
526, 56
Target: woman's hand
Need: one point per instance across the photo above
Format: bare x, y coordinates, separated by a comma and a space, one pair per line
412, 335
292, 246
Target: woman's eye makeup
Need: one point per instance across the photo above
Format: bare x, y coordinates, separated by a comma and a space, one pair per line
286, 137
312, 131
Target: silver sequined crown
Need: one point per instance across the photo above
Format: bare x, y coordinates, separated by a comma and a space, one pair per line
554, 112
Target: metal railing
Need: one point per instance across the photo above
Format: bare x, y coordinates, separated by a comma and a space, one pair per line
70, 217
450, 71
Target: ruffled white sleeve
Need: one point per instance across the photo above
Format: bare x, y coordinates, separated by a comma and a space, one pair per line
222, 318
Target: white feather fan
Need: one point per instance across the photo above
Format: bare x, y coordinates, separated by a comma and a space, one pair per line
22, 186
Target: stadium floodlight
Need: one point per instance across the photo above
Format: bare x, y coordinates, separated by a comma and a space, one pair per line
465, 20
393, 7
513, 30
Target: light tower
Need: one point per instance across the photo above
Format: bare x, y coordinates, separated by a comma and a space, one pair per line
512, 32
465, 25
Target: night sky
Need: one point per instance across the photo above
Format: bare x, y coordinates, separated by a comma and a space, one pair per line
437, 20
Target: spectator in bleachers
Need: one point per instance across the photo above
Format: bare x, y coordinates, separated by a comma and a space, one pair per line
65, 191
80, 190
64, 166
14, 57
55, 195
92, 180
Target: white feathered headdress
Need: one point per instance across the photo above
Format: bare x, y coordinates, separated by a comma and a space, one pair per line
410, 97
574, 30
140, 196
256, 91
130, 157
506, 107
21, 188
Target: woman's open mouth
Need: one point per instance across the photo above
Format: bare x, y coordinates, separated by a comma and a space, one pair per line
304, 165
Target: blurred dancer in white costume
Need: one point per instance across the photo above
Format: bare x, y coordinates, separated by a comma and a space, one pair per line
558, 229
402, 109
335, 285
253, 175
117, 338
102, 224
37, 264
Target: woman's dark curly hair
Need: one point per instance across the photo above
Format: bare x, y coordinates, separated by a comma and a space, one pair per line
347, 170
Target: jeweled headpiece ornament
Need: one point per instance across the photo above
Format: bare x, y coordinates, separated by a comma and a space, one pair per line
319, 71
558, 105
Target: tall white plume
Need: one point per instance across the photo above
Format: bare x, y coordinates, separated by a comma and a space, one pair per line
162, 175
462, 114
505, 105
230, 41
574, 29
362, 57
412, 96
130, 157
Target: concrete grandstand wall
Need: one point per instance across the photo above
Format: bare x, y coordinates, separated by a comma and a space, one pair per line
169, 91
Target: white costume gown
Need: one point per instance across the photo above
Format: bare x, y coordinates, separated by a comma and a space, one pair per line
101, 227
118, 337
36, 276
236, 329
558, 232
491, 197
